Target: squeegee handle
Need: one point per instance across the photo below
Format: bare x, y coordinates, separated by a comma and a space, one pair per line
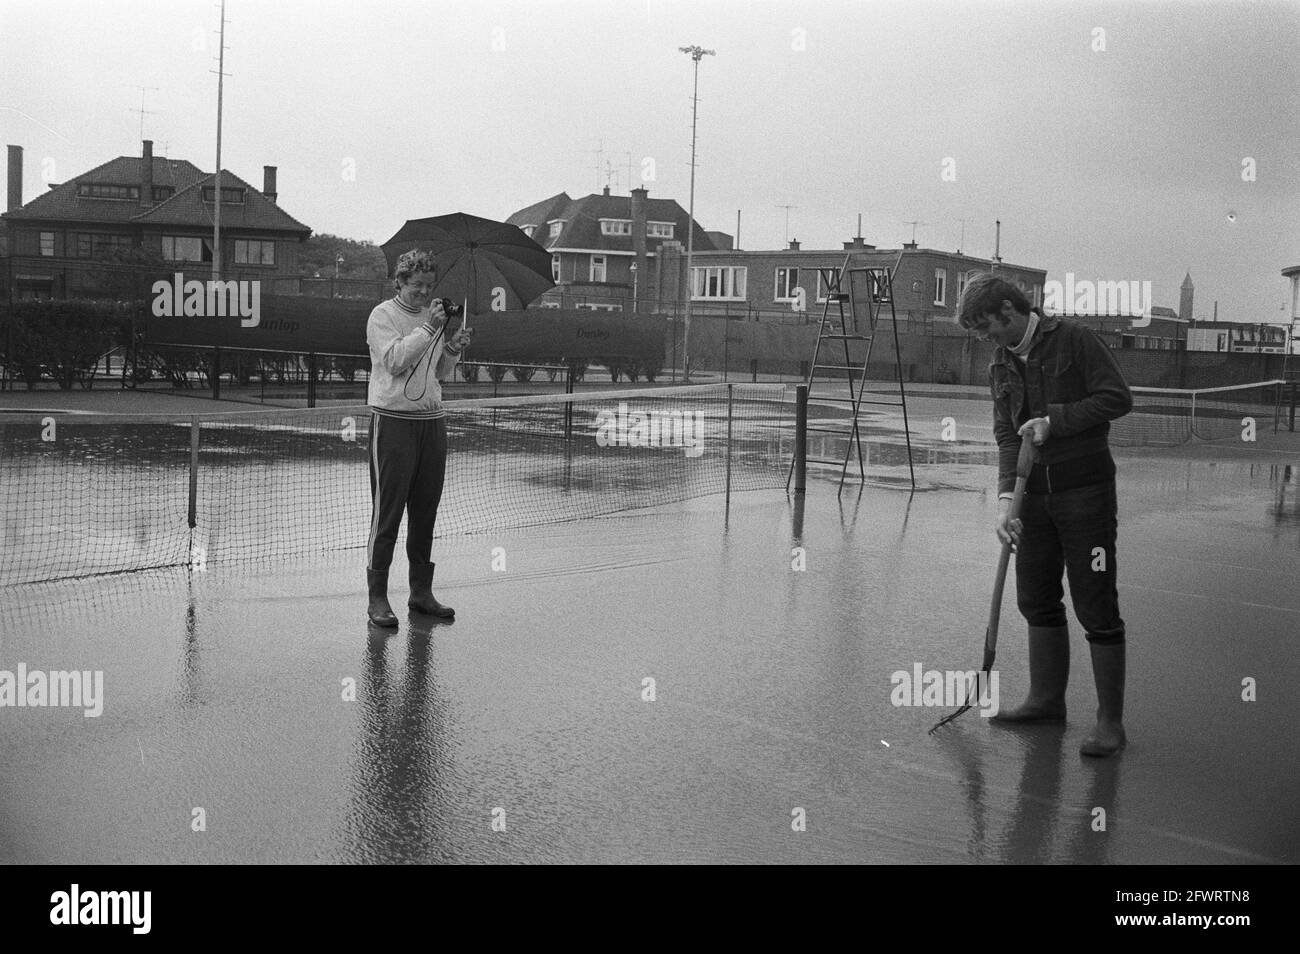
1024, 464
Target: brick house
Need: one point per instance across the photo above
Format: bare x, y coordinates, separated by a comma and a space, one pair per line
606, 248
60, 241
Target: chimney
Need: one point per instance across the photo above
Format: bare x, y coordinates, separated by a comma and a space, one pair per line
794, 245
909, 245
15, 178
606, 191
146, 175
268, 182
858, 243
639, 245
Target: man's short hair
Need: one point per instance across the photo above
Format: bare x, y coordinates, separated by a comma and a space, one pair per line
408, 263
983, 296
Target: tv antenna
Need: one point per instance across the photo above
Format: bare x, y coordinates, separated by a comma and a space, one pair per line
142, 111
787, 220
914, 224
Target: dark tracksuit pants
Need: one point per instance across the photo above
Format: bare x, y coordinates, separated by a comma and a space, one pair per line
408, 461
1071, 532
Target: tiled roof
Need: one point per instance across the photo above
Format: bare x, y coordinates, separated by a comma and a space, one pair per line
184, 208
582, 222
187, 208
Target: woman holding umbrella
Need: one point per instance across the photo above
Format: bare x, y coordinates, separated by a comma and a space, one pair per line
409, 354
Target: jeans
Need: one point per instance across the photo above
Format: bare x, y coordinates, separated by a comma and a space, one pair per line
1071, 532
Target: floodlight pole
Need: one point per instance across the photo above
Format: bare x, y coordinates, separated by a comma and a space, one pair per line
696, 54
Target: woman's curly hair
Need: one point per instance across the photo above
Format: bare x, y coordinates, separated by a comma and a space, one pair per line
408, 263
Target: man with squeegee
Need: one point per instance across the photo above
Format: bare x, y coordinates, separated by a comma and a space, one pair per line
1055, 383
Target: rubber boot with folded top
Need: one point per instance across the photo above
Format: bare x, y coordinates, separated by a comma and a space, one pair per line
1049, 671
422, 600
1108, 665
380, 613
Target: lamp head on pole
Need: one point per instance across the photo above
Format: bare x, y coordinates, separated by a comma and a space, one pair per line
697, 52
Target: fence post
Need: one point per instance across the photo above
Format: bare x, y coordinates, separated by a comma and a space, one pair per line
801, 439
216, 373
311, 379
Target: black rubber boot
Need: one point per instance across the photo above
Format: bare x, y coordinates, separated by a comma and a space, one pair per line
422, 600
380, 613
1108, 671
1049, 671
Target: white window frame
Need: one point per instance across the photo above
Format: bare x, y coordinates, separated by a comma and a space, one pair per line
528, 229
557, 226
615, 226
599, 264
660, 229
169, 250
255, 252
555, 267
791, 283
728, 280
940, 286
822, 288
43, 241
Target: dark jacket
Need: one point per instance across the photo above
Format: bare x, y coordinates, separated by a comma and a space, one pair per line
1071, 377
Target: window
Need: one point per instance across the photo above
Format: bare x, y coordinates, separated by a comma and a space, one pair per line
940, 285
787, 284
98, 245
254, 252
963, 279
597, 268
588, 306
528, 230
723, 282
555, 267
104, 190
549, 304
47, 244
186, 248
1038, 296
229, 195
163, 193
822, 287
556, 226
659, 229
615, 227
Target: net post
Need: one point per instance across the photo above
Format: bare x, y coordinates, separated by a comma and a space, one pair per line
194, 472
216, 373
730, 406
801, 439
568, 406
311, 378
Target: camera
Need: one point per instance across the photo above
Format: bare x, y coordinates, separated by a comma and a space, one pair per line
451, 309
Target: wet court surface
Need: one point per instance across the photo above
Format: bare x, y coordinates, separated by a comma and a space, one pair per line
224, 691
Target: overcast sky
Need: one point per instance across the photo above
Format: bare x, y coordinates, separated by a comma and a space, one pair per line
1122, 163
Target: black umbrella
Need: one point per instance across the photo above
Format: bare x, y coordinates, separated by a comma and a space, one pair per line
491, 266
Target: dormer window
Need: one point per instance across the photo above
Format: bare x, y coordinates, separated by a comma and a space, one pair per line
615, 227
528, 229
229, 195
659, 229
105, 190
556, 226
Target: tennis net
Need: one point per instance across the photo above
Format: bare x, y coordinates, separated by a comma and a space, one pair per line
89, 494
1163, 416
